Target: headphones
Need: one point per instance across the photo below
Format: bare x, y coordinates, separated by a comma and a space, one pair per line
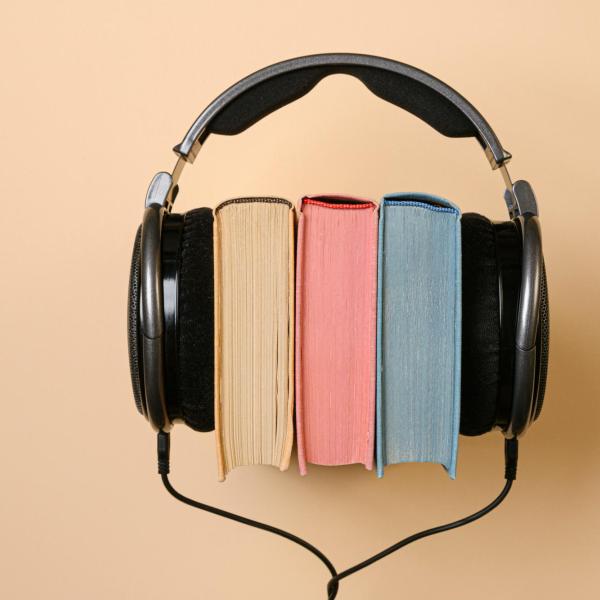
505, 337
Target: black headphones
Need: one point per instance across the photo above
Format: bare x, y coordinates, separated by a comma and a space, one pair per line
505, 336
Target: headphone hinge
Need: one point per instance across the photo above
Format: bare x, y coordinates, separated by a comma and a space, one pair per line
162, 191
519, 196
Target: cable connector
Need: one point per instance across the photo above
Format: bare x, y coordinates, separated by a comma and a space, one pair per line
163, 451
511, 458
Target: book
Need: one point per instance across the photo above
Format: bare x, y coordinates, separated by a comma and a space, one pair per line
336, 331
254, 332
419, 330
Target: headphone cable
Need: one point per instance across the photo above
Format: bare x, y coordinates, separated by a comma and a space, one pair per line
511, 455
163, 451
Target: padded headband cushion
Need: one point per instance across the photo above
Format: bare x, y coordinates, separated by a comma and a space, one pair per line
195, 335
481, 326
428, 104
132, 322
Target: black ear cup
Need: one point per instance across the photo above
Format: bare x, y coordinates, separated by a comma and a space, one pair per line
195, 329
543, 345
133, 328
481, 326
187, 273
492, 271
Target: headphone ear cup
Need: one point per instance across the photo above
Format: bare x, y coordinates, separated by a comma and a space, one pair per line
480, 326
195, 331
543, 344
133, 328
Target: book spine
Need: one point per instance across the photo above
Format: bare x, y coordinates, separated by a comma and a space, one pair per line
298, 354
289, 440
221, 470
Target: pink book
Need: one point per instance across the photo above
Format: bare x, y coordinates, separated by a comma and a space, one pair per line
336, 307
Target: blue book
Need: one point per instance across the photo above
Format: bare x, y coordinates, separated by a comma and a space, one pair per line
419, 331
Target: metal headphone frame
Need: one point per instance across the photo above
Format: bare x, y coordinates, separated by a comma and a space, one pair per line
519, 197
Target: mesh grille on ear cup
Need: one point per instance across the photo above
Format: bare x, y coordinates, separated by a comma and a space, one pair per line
195, 336
481, 326
132, 322
544, 343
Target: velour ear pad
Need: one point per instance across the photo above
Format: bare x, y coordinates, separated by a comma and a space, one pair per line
480, 326
195, 335
133, 330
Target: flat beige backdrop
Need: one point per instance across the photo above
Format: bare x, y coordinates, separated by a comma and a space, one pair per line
94, 95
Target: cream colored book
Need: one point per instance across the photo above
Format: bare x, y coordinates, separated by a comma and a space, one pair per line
254, 332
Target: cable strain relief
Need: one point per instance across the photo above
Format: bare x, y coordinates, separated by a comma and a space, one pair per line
332, 588
511, 458
163, 451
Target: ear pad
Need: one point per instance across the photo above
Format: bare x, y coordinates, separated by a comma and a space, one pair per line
133, 329
480, 326
195, 332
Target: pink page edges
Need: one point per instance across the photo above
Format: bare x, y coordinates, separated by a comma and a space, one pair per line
336, 298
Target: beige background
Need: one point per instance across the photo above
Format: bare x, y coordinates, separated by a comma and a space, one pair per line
94, 95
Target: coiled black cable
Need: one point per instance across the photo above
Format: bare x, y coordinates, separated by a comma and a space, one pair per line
511, 459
